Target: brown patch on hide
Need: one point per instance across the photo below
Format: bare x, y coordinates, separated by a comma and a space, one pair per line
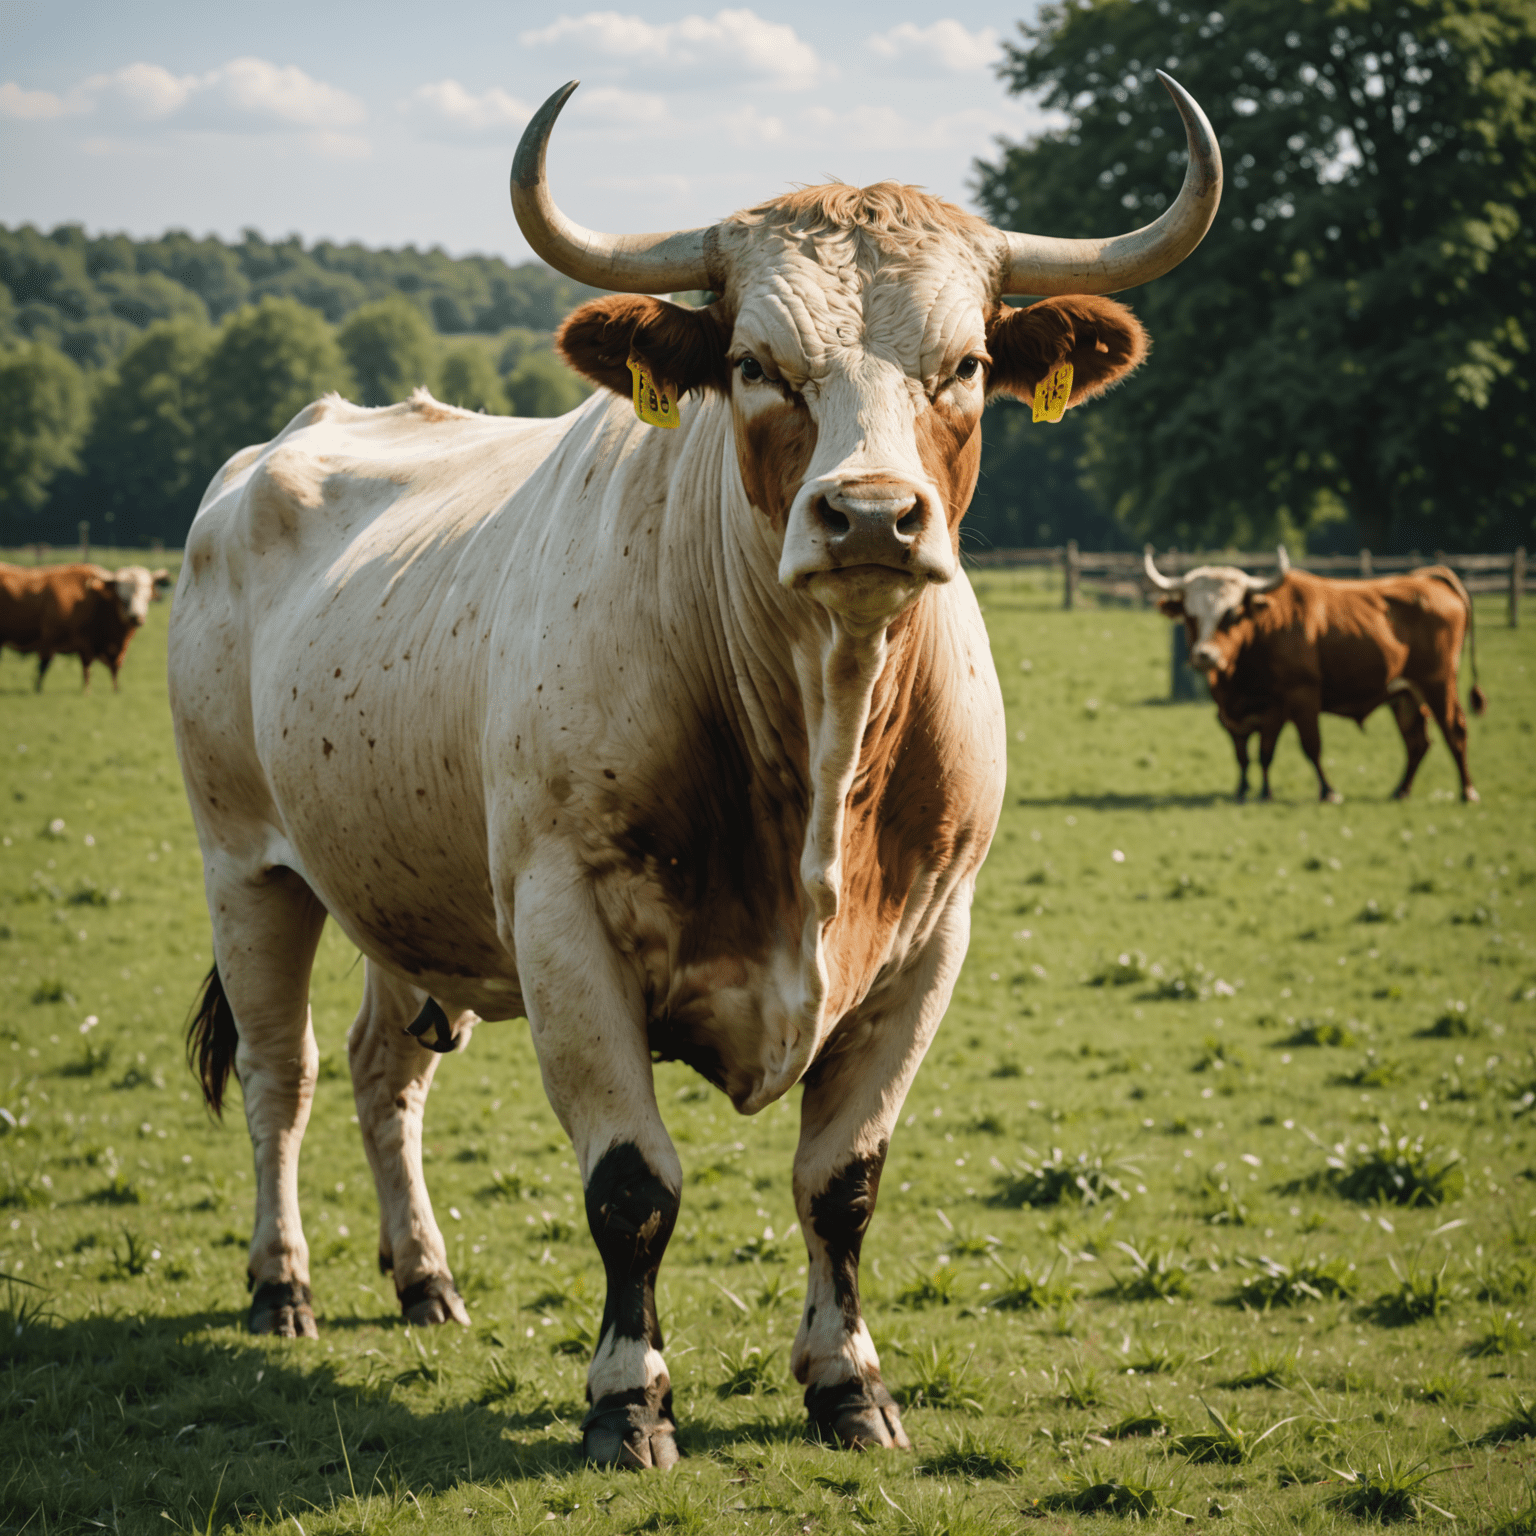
1102, 340
681, 348
906, 811
774, 448
949, 445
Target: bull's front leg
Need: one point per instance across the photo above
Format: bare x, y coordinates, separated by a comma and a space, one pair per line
1240, 747
853, 1097
587, 1016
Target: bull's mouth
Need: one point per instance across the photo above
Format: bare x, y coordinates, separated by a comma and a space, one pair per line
865, 597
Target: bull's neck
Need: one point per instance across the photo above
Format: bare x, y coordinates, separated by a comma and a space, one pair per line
804, 695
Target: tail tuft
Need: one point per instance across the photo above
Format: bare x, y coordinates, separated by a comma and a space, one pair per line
1479, 702
211, 1041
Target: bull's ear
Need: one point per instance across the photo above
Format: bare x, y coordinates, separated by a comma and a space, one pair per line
1102, 340
1173, 607
681, 348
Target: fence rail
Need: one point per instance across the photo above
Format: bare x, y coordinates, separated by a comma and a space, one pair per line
1118, 574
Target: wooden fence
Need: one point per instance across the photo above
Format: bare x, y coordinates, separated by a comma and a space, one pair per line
1119, 576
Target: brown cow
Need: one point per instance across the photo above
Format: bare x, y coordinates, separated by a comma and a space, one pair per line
1296, 646
79, 610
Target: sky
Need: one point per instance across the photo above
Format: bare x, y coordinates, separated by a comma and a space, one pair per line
393, 123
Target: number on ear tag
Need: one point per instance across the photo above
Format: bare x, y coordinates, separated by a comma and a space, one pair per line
1053, 392
653, 405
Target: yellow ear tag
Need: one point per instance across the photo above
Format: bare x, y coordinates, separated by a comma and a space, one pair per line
1052, 393
653, 405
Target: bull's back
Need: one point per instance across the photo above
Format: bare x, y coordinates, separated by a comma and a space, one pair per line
46, 607
327, 664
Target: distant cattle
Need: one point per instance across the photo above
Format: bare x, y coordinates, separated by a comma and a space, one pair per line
74, 610
1295, 646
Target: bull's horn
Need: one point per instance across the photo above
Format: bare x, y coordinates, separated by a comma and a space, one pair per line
1044, 265
658, 263
1257, 584
1155, 576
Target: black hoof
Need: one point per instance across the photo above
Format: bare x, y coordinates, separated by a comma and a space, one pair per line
285, 1308
433, 1300
860, 1415
635, 1436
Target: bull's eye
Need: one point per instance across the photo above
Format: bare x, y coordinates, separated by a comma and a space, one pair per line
967, 369
751, 369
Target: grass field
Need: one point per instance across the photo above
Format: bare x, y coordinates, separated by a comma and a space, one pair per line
1213, 1201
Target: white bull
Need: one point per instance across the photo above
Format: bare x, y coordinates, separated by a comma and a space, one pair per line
685, 741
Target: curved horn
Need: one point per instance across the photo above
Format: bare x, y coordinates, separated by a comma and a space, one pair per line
656, 263
1268, 584
1044, 265
1155, 576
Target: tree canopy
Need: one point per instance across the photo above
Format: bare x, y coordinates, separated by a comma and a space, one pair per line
129, 370
1350, 345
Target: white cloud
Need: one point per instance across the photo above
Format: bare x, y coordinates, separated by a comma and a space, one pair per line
610, 104
244, 95
447, 108
946, 43
26, 106
705, 51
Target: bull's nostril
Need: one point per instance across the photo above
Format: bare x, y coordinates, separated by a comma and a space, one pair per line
912, 523
836, 522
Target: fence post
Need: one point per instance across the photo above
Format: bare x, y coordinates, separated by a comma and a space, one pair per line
1365, 565
85, 541
1516, 586
1071, 572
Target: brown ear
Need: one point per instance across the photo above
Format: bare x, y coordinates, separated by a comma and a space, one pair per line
1102, 340
681, 348
1173, 607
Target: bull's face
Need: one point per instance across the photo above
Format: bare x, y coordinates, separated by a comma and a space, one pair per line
1217, 605
857, 339
134, 588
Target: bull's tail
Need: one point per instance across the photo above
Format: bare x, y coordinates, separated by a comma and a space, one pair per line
211, 1041
1478, 698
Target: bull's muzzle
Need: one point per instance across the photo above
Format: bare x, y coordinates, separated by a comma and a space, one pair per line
871, 523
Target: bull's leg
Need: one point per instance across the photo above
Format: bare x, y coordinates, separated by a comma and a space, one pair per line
43, 662
1411, 722
1306, 710
587, 1016
1240, 747
1440, 695
853, 1096
266, 926
391, 1074
1269, 737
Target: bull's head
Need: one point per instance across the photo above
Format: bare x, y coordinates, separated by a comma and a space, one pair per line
857, 334
134, 588
1213, 601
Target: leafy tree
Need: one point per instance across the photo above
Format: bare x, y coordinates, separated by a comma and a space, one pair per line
142, 468
469, 378
1352, 337
44, 401
541, 385
391, 350
268, 362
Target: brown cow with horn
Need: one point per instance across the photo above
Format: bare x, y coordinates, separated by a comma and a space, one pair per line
1294, 646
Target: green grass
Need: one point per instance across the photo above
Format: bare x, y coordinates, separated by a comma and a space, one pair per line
1131, 1019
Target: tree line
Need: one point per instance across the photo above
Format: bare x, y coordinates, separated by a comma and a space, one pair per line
130, 370
1345, 361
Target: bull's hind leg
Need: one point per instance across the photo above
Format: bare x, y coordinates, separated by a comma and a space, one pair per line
1410, 716
1445, 706
1306, 710
392, 1072
588, 1022
853, 1096
266, 926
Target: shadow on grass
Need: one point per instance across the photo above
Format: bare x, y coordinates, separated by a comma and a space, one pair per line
1118, 802
124, 1422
